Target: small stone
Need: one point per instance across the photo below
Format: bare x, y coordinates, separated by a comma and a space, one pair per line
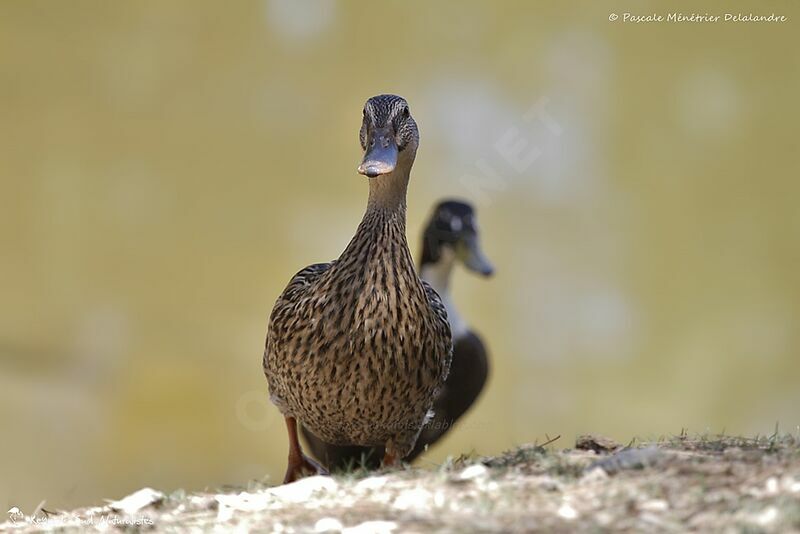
567, 512
767, 516
413, 498
654, 505
772, 485
224, 514
136, 501
327, 524
203, 501
596, 443
304, 489
473, 471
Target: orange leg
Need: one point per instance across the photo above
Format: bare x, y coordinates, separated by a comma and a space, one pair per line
299, 463
389, 458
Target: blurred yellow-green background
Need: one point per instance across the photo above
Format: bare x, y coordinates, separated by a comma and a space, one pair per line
165, 167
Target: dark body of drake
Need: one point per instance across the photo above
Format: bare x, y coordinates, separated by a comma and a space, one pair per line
358, 349
450, 237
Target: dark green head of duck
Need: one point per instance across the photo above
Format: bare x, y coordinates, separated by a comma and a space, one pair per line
389, 136
452, 234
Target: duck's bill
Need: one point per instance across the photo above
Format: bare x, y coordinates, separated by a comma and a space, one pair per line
381, 156
473, 257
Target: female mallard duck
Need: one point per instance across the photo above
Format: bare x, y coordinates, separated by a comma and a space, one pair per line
357, 349
451, 236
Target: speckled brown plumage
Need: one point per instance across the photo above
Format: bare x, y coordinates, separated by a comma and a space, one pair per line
450, 238
358, 348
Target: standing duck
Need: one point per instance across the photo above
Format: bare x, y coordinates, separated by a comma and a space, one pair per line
450, 237
358, 348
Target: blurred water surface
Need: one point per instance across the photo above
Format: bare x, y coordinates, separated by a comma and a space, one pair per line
167, 166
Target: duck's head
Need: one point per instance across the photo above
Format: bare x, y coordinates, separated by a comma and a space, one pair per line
452, 234
389, 136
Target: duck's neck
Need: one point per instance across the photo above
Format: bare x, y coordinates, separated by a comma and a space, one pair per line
438, 275
382, 231
387, 193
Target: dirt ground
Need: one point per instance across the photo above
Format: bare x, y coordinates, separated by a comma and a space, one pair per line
678, 484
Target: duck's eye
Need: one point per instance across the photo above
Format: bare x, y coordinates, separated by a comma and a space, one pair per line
406, 113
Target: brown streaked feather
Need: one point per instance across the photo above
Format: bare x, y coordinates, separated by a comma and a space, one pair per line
358, 348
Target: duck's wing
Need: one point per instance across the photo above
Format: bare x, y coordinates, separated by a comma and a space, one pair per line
294, 299
436, 303
442, 325
300, 283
